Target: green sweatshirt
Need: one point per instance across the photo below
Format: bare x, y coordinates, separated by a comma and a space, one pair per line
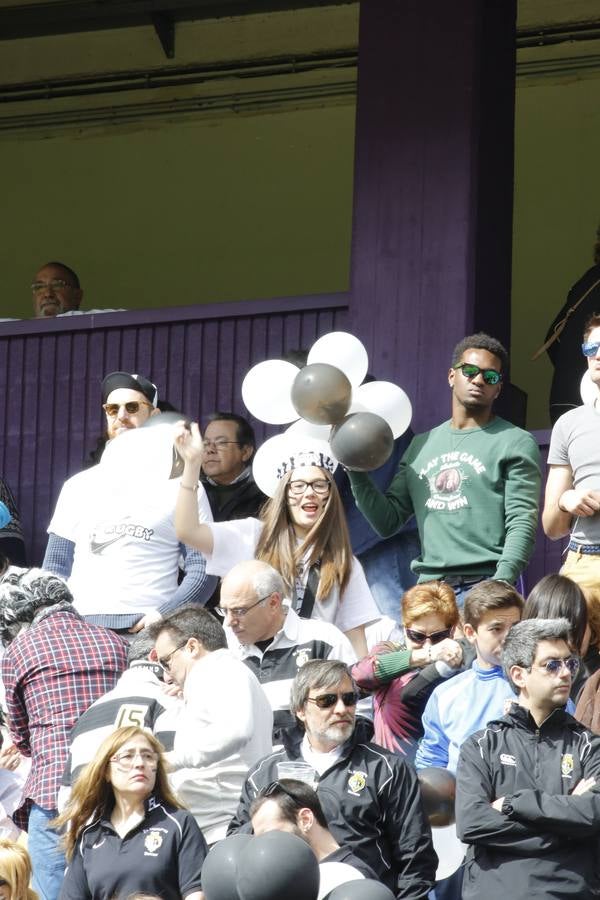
474, 494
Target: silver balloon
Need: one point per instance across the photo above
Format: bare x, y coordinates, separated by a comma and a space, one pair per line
321, 394
362, 441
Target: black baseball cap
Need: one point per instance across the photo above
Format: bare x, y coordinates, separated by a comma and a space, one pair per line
131, 381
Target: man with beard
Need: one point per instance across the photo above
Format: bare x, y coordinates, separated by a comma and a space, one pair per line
116, 542
472, 483
371, 797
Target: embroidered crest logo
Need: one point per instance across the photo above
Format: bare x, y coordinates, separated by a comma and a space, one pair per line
152, 842
507, 760
302, 657
357, 782
566, 765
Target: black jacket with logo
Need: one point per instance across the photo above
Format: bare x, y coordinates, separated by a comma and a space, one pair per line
372, 802
545, 842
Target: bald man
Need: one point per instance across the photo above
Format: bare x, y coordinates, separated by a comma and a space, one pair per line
273, 641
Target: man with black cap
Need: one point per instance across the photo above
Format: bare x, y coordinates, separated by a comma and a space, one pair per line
118, 548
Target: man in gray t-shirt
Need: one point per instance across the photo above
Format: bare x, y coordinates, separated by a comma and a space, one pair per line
572, 502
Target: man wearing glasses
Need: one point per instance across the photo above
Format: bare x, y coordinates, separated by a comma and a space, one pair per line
228, 450
56, 290
226, 723
119, 550
370, 796
527, 789
472, 483
271, 638
572, 502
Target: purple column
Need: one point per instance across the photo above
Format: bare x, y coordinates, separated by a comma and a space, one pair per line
432, 231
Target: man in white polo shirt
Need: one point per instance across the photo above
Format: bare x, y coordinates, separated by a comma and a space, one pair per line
271, 638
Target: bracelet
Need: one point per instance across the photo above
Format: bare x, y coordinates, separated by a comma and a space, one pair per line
429, 653
186, 487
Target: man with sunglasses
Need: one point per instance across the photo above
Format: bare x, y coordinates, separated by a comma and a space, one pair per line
119, 550
572, 501
528, 785
371, 797
472, 483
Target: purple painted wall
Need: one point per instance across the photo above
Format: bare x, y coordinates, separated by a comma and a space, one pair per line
431, 253
50, 374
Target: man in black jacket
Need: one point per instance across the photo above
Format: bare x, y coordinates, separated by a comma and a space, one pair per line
228, 449
527, 792
371, 797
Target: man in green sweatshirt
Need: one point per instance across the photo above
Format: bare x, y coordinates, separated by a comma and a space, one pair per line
472, 483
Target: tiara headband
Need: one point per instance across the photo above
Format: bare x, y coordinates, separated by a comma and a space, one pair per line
329, 404
283, 453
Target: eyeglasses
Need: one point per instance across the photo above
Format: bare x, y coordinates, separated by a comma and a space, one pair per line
326, 701
240, 611
419, 637
132, 407
217, 444
554, 666
590, 349
319, 486
127, 759
57, 284
165, 661
490, 376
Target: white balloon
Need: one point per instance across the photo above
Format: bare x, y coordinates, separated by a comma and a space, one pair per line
588, 390
266, 391
140, 456
302, 427
387, 400
343, 350
449, 849
333, 874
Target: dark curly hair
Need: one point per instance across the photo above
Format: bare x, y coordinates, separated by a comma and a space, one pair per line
481, 341
23, 594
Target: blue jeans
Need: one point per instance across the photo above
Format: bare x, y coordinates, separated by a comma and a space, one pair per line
388, 572
47, 858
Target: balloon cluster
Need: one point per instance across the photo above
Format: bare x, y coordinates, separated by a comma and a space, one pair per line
274, 866
330, 402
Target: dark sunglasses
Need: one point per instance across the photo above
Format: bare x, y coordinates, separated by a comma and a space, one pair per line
490, 376
326, 701
133, 407
419, 637
275, 788
590, 349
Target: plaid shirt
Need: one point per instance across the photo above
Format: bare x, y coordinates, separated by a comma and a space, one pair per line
52, 672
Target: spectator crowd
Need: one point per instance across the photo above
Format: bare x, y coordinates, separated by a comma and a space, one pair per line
202, 657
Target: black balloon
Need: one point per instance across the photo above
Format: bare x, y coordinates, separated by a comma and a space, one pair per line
220, 869
366, 889
438, 789
321, 394
277, 866
362, 441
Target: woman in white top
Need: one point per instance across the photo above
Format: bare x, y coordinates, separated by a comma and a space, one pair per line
301, 532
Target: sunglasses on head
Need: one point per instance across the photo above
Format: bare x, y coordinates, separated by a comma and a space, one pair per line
275, 788
133, 407
590, 348
326, 701
419, 637
490, 376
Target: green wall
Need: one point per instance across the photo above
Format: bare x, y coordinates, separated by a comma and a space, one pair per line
184, 212
557, 210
